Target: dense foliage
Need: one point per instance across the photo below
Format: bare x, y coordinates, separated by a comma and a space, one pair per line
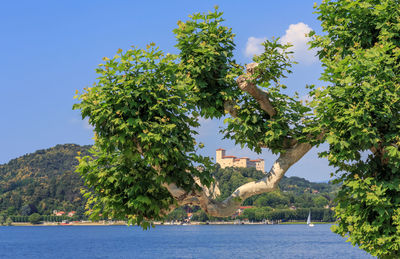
35, 218
360, 110
5, 221
144, 137
256, 129
206, 62
42, 182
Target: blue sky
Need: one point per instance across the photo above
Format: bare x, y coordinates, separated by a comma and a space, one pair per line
51, 48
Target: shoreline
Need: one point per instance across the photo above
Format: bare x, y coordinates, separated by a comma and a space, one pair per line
122, 223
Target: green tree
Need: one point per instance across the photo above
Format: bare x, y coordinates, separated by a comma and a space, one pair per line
35, 218
2, 219
272, 199
8, 222
11, 210
328, 216
27, 210
200, 216
359, 111
178, 214
320, 201
146, 105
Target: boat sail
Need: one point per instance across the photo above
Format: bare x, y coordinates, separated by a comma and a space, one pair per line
309, 220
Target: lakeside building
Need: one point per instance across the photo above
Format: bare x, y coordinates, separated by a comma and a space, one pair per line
71, 213
58, 213
233, 161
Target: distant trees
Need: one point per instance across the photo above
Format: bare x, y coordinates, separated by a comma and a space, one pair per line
272, 199
178, 214
5, 221
8, 221
320, 201
42, 182
2, 219
35, 218
259, 214
28, 209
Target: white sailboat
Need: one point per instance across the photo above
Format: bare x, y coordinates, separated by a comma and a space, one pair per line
309, 220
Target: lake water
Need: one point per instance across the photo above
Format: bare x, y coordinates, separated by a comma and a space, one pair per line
206, 241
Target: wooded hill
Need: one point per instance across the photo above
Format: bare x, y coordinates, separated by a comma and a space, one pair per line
45, 181
42, 182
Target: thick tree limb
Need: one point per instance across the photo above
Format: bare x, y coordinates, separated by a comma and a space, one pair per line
245, 83
227, 207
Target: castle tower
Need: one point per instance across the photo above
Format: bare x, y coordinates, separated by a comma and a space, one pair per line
260, 165
220, 153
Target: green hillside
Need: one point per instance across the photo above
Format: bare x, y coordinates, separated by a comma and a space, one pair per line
293, 191
42, 182
45, 181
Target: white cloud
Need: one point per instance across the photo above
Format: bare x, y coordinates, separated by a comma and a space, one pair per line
83, 123
254, 47
296, 35
86, 124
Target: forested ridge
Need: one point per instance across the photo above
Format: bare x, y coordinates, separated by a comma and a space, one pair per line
42, 181
46, 180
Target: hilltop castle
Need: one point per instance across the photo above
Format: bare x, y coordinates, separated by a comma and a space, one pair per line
232, 161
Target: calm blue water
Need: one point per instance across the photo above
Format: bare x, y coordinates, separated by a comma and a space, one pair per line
210, 241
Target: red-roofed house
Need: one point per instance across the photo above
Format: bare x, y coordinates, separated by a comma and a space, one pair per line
71, 213
60, 213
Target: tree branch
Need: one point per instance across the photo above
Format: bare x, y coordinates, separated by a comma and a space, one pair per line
228, 207
245, 84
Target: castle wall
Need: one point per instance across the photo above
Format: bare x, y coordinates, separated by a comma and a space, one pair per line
232, 161
260, 165
241, 162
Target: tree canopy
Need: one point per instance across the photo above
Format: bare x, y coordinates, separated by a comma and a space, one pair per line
360, 112
146, 105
